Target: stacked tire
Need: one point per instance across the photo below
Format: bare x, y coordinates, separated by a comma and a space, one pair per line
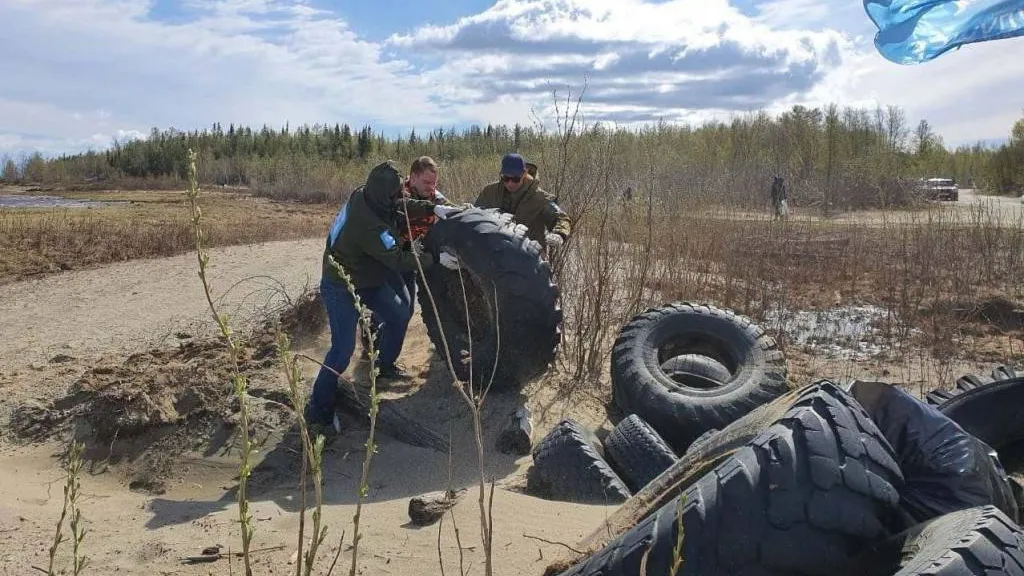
686, 369
968, 382
569, 465
817, 491
679, 373
978, 541
723, 470
803, 496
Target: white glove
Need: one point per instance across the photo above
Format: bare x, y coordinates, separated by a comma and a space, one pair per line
554, 240
443, 211
448, 261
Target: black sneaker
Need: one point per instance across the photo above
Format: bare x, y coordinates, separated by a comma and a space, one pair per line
393, 372
330, 432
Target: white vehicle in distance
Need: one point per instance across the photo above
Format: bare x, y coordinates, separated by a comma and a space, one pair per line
940, 189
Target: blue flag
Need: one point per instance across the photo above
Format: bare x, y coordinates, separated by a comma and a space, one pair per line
915, 31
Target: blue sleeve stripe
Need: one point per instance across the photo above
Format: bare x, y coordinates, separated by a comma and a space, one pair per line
339, 224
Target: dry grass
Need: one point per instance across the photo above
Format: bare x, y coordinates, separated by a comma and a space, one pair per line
145, 224
948, 279
928, 266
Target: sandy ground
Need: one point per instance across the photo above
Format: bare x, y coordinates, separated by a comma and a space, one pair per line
56, 327
1008, 212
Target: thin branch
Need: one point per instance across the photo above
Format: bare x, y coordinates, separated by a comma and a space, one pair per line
336, 554
546, 541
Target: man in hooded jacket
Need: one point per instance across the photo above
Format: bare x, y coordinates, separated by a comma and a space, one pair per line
364, 240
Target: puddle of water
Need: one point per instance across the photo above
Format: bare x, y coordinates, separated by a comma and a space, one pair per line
50, 202
846, 332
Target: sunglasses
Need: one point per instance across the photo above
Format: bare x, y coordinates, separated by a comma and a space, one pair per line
512, 179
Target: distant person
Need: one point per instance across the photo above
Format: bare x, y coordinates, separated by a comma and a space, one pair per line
364, 239
779, 196
532, 169
519, 194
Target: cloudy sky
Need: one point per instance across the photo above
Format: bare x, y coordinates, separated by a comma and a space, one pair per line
76, 73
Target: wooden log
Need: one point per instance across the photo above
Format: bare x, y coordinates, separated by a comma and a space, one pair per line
355, 399
517, 436
426, 509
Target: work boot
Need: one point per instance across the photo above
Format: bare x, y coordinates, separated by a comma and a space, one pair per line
330, 432
393, 372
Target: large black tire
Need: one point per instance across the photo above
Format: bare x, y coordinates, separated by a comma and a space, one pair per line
679, 412
967, 382
963, 383
802, 498
978, 541
637, 452
568, 467
944, 467
992, 412
1004, 372
505, 278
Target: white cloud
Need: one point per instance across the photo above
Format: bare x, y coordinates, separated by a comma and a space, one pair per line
64, 58
78, 73
641, 60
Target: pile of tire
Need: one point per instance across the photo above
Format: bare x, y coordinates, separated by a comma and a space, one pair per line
821, 480
679, 373
808, 484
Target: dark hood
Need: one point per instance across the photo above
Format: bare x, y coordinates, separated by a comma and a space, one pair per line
383, 187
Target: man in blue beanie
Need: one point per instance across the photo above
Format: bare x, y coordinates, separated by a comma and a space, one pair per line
518, 193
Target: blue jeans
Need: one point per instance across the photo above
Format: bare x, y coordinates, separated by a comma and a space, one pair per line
410, 286
409, 279
389, 303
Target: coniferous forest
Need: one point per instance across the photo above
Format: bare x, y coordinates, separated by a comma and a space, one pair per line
848, 158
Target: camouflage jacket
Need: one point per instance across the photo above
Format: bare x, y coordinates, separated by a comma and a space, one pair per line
530, 206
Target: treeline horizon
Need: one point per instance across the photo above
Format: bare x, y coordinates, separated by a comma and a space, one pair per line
843, 157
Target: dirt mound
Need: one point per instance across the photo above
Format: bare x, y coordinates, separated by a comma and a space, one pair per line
302, 319
174, 398
996, 312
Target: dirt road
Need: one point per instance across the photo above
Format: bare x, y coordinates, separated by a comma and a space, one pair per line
55, 323
1009, 208
971, 207
56, 327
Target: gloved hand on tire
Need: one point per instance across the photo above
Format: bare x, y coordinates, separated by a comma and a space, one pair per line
426, 258
554, 240
442, 211
448, 261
